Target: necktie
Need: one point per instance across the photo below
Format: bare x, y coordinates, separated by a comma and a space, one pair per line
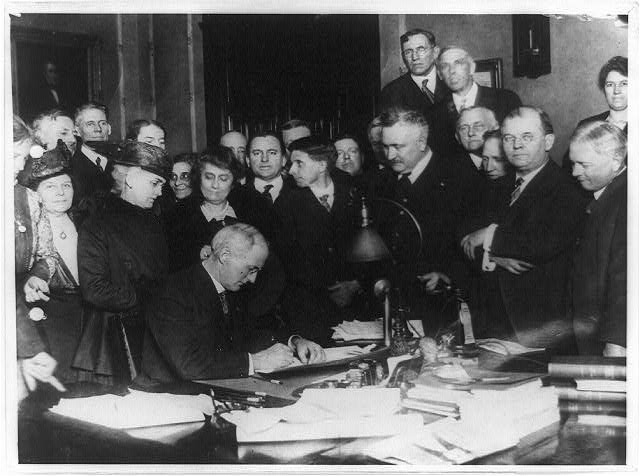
225, 304
517, 190
403, 187
427, 91
324, 200
98, 161
266, 194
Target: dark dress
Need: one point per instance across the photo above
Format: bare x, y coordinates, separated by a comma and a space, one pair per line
61, 329
122, 260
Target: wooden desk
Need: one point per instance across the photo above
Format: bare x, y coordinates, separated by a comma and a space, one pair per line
48, 438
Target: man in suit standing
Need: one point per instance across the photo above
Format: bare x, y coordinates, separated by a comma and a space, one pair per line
197, 329
317, 224
527, 251
456, 67
420, 88
87, 165
439, 192
598, 152
266, 159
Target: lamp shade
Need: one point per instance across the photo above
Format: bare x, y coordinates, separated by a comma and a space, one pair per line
367, 246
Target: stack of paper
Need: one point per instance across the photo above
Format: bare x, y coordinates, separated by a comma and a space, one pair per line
369, 330
490, 420
327, 413
136, 409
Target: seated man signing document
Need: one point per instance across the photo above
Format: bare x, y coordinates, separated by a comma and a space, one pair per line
197, 327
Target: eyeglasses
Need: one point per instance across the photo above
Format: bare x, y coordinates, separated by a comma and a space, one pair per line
350, 152
525, 138
613, 84
182, 176
420, 51
476, 127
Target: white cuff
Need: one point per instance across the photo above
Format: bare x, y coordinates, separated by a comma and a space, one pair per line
290, 342
488, 237
487, 264
251, 370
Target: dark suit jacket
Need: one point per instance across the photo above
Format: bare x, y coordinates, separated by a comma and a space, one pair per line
188, 337
599, 277
541, 228
88, 178
313, 239
444, 116
444, 194
404, 92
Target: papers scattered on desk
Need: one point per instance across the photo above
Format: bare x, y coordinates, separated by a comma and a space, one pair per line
369, 330
136, 409
327, 413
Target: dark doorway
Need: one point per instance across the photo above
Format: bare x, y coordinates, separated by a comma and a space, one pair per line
262, 70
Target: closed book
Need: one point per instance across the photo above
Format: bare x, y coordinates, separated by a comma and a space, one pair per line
595, 367
565, 393
585, 407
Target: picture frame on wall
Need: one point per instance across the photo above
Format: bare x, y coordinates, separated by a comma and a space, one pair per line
76, 59
489, 72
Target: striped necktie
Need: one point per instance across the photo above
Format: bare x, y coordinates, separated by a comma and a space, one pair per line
324, 200
517, 190
427, 91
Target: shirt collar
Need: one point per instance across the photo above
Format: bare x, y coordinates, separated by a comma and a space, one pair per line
93, 156
529, 176
277, 183
420, 166
219, 287
469, 98
476, 159
598, 193
431, 76
318, 192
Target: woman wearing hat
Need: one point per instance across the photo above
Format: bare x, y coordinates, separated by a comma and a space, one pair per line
122, 257
59, 306
35, 364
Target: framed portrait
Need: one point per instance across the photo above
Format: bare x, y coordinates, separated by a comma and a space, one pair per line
72, 59
489, 72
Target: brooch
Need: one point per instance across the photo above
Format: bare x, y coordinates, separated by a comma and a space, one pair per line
37, 314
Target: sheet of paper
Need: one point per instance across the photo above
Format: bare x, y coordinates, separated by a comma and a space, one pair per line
328, 429
136, 409
364, 330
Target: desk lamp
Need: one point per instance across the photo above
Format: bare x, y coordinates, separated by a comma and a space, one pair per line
368, 246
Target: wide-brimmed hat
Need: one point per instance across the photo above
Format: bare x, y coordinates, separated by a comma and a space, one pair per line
43, 164
146, 156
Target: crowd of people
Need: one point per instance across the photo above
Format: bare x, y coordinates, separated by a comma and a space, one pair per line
137, 268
